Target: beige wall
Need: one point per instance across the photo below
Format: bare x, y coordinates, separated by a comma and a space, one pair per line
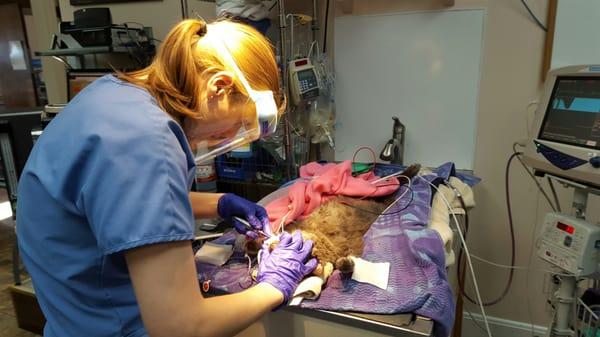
510, 79
45, 25
31, 36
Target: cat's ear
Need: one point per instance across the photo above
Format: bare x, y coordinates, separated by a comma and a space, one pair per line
411, 171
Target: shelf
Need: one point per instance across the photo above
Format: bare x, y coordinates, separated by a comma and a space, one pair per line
78, 51
250, 190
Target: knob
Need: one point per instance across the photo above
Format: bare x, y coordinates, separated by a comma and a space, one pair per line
595, 161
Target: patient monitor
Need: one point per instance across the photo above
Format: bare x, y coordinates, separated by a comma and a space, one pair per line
565, 140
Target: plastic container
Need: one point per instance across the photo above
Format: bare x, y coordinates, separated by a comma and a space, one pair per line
235, 168
206, 177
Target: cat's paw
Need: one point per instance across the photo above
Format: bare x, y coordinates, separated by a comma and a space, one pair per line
273, 244
345, 265
318, 271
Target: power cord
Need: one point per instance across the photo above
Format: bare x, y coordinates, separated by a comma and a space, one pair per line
537, 183
468, 255
373, 156
470, 314
383, 213
512, 243
325, 29
537, 21
517, 267
512, 267
556, 202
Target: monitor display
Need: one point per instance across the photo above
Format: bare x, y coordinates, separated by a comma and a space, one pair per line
573, 114
307, 76
79, 80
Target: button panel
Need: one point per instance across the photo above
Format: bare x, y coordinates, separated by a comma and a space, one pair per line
565, 261
568, 240
561, 160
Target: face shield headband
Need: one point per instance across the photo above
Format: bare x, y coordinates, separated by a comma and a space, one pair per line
263, 124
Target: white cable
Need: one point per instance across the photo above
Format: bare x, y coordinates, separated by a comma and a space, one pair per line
502, 265
527, 113
398, 174
249, 263
310, 50
402, 195
516, 267
63, 61
283, 219
397, 199
468, 255
474, 320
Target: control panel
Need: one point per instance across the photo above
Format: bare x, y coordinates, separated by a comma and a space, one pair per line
570, 243
561, 160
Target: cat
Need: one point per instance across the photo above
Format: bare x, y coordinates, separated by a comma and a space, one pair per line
337, 228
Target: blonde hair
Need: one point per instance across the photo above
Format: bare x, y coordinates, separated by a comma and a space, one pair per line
177, 74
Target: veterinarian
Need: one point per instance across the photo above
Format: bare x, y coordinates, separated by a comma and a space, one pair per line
105, 216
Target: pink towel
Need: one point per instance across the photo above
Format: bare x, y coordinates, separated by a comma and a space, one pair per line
321, 182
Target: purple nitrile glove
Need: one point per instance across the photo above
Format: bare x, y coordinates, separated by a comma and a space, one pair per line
285, 266
230, 205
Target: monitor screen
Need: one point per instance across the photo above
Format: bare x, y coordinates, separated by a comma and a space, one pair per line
573, 114
79, 80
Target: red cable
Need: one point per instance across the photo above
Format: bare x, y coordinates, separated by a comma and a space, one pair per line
372, 153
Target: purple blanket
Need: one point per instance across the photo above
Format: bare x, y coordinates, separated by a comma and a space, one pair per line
417, 282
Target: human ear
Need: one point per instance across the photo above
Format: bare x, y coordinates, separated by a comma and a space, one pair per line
219, 84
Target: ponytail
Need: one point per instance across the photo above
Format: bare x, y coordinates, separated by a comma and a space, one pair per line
175, 77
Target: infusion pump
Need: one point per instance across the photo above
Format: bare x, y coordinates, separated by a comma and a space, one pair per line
304, 82
570, 243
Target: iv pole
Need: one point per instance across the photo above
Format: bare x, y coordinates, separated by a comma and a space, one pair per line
566, 295
315, 19
287, 141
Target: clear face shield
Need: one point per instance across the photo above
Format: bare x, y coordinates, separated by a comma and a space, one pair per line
234, 128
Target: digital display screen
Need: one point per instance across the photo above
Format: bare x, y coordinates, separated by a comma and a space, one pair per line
301, 63
565, 227
306, 75
573, 115
77, 81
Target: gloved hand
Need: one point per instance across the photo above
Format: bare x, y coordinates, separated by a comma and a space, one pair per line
285, 266
231, 205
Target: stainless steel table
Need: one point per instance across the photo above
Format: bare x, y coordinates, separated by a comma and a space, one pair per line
393, 325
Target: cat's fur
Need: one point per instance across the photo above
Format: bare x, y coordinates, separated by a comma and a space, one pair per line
337, 227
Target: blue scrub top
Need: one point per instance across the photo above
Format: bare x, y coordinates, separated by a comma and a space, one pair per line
111, 172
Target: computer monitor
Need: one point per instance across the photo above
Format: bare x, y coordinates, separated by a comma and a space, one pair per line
17, 132
566, 135
77, 80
